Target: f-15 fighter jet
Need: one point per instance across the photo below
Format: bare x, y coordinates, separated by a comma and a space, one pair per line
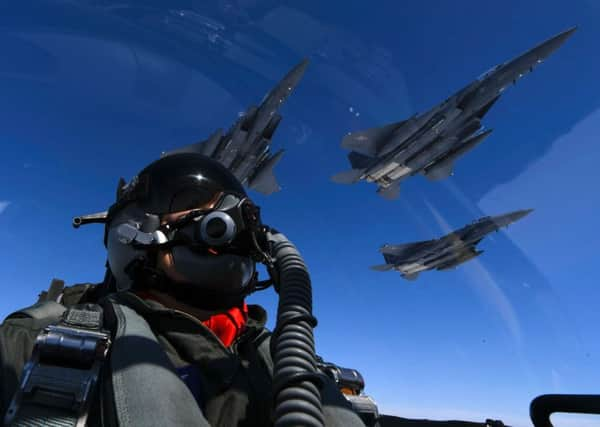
245, 148
431, 142
446, 252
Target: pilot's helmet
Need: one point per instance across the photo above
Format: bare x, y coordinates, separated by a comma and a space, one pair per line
179, 225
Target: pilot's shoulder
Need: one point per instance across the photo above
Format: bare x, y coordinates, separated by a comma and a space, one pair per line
50, 306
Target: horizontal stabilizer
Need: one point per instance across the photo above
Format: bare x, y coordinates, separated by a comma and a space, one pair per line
359, 161
348, 177
382, 267
390, 193
369, 141
204, 147
264, 180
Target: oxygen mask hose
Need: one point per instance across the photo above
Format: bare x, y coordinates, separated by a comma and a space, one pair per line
296, 383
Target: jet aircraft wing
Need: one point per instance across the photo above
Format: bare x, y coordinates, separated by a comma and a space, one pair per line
398, 254
369, 141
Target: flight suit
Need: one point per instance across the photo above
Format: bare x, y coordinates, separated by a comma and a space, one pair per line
166, 368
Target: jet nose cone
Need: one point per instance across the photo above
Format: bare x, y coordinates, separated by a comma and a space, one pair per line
515, 216
559, 39
509, 218
567, 33
296, 73
304, 63
555, 42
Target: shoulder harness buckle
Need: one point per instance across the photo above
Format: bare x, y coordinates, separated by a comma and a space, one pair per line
60, 378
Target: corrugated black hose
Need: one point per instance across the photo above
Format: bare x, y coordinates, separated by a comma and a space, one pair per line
296, 381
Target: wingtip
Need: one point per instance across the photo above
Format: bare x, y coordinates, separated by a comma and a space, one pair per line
381, 267
217, 133
278, 155
351, 176
383, 247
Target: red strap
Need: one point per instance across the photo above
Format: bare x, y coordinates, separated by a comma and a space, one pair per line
227, 326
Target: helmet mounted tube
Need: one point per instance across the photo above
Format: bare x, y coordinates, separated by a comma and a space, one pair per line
296, 383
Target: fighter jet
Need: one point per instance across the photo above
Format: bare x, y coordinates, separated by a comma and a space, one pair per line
446, 252
245, 148
431, 142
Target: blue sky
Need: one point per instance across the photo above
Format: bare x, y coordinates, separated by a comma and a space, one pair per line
94, 92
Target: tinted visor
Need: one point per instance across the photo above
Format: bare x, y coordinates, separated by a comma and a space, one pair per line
193, 198
185, 181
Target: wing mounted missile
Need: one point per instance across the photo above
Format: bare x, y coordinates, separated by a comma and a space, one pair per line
443, 168
462, 258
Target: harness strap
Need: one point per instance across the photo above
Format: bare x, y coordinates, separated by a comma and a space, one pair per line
147, 390
263, 347
59, 381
